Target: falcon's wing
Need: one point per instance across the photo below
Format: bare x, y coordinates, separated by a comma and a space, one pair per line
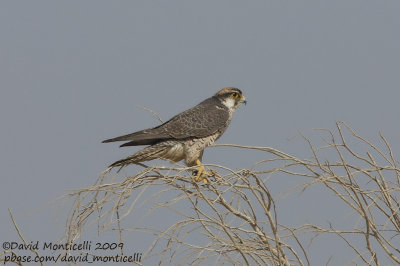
144, 137
200, 121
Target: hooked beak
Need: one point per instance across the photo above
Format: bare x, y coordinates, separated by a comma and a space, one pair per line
243, 100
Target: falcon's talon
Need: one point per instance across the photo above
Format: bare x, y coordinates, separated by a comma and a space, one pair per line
201, 173
213, 173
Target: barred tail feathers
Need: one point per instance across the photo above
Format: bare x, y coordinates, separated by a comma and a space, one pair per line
146, 154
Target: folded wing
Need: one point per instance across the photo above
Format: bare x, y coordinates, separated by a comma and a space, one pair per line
200, 121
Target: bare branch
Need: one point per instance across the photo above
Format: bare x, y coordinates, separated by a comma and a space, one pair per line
234, 218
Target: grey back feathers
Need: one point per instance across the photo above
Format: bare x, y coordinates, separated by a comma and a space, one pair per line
202, 120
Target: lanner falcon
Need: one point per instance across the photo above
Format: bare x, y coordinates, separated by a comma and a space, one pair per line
186, 135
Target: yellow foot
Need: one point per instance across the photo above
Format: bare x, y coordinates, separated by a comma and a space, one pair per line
202, 174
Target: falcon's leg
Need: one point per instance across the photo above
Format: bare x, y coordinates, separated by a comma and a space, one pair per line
201, 173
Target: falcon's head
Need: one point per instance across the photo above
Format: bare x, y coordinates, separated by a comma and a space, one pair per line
231, 97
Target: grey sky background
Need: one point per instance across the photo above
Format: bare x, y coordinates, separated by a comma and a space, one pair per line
73, 72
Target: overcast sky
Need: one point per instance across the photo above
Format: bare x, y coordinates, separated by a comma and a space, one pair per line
73, 72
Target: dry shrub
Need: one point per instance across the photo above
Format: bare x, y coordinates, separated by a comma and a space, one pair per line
233, 219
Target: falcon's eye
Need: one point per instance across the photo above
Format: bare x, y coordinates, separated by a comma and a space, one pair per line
235, 95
